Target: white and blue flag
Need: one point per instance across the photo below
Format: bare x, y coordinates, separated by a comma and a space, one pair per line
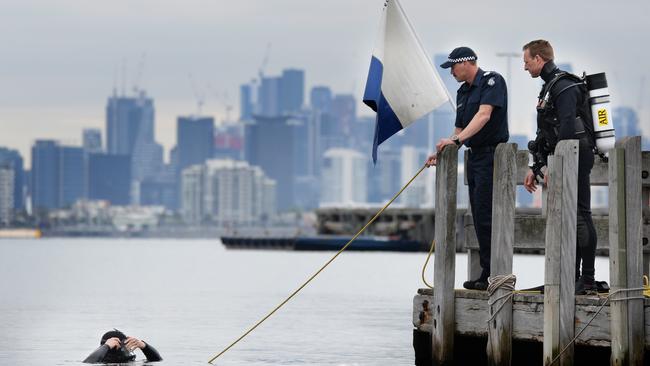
402, 83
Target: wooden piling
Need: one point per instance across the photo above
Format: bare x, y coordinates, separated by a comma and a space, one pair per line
444, 326
499, 347
626, 261
559, 281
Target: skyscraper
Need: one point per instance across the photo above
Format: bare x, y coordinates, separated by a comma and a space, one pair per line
246, 104
226, 192
344, 112
320, 99
92, 140
292, 91
12, 158
345, 177
58, 175
194, 140
72, 175
269, 144
45, 175
130, 131
109, 178
268, 97
6, 194
626, 122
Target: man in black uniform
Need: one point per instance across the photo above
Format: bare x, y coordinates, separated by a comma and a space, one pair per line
481, 124
563, 113
115, 347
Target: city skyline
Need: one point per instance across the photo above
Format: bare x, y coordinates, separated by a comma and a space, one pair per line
56, 79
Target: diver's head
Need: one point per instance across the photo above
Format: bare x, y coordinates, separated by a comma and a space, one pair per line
120, 354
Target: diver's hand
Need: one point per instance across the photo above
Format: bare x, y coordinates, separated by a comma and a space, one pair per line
530, 183
113, 343
133, 343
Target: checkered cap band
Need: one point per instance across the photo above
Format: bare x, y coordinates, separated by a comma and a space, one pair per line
461, 59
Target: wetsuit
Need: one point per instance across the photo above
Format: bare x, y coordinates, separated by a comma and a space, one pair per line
104, 354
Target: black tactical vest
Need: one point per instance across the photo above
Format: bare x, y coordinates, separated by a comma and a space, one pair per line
548, 124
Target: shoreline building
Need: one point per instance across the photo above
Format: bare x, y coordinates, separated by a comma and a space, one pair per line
345, 177
227, 192
6, 194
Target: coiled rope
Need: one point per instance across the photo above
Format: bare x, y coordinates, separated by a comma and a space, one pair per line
320, 270
505, 282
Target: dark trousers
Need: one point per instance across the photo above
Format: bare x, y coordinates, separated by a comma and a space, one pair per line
479, 171
586, 233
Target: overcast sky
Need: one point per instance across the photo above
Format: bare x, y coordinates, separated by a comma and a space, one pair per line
61, 59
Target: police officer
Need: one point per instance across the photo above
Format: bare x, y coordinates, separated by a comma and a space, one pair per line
481, 124
563, 113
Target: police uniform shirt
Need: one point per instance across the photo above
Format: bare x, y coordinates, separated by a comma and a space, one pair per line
487, 88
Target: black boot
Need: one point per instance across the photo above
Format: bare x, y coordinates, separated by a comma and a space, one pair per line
586, 285
478, 284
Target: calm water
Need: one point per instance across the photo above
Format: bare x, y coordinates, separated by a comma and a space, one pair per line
191, 298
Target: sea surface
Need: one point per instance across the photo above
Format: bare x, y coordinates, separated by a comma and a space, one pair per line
192, 298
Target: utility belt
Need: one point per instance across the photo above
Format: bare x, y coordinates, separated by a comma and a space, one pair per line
482, 149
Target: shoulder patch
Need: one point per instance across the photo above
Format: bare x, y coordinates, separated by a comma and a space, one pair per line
491, 81
487, 73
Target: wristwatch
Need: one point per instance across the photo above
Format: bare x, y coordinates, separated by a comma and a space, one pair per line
456, 140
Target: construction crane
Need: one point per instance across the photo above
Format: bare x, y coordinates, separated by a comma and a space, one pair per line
198, 94
265, 60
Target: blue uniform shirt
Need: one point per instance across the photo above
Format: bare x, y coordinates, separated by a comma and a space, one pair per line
488, 88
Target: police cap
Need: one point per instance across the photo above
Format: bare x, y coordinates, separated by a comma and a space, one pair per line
459, 55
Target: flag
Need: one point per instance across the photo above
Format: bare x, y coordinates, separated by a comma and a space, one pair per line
402, 83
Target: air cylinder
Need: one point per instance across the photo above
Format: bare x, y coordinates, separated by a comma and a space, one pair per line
601, 111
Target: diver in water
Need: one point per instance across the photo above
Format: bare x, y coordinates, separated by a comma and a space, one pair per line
115, 347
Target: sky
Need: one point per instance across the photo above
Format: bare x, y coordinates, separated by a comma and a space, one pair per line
61, 60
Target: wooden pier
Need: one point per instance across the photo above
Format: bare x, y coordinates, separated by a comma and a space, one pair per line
552, 322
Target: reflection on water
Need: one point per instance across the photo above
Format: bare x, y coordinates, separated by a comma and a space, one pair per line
192, 298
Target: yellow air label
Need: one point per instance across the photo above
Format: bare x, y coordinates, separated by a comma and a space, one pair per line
602, 117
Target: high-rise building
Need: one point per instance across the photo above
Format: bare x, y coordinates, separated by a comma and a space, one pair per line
344, 112
109, 178
320, 99
412, 159
72, 175
626, 122
227, 192
45, 175
192, 191
345, 177
92, 140
384, 178
292, 91
59, 175
12, 158
269, 144
246, 103
161, 190
268, 97
229, 142
194, 140
130, 131
6, 194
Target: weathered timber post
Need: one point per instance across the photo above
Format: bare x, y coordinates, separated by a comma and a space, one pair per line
560, 258
444, 326
473, 257
625, 258
499, 347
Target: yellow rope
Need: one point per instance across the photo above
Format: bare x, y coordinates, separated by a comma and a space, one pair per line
424, 278
321, 269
